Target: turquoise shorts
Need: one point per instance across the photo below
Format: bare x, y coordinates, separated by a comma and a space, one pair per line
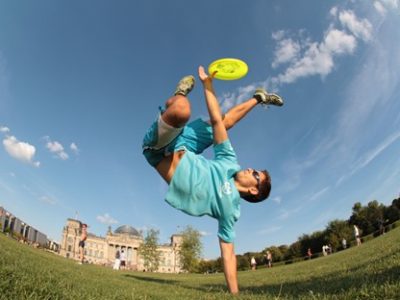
196, 136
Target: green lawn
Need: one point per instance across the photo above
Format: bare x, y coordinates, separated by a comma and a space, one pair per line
371, 271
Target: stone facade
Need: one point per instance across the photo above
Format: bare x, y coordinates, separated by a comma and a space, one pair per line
23, 230
102, 250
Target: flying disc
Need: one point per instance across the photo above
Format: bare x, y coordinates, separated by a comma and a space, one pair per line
228, 68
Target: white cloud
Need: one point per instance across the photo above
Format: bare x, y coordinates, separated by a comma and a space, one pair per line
338, 42
106, 219
20, 150
333, 11
318, 58
74, 148
278, 35
48, 200
241, 94
56, 148
205, 233
380, 8
4, 129
383, 6
308, 58
269, 230
370, 155
319, 193
277, 199
286, 50
391, 4
360, 28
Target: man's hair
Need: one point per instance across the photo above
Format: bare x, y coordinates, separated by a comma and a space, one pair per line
84, 225
263, 193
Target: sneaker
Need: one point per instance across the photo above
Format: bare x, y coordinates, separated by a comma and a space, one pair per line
185, 85
264, 98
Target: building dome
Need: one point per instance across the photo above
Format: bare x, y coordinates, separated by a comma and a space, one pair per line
126, 229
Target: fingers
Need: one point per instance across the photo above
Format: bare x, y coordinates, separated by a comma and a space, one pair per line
202, 72
204, 76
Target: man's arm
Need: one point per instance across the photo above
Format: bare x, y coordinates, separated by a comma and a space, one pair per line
229, 259
219, 131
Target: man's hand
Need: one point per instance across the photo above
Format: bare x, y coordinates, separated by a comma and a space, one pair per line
229, 259
204, 77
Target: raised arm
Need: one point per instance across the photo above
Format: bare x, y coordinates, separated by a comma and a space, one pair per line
219, 131
229, 259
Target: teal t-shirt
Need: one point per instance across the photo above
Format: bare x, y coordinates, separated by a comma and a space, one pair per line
206, 187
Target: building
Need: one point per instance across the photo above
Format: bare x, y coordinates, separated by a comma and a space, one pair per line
102, 250
20, 229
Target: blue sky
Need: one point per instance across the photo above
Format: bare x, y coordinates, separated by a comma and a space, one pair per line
80, 83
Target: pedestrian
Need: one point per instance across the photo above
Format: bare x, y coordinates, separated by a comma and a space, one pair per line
253, 263
81, 244
117, 261
123, 259
357, 235
344, 243
309, 253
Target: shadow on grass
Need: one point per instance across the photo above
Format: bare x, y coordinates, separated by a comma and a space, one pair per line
333, 284
152, 279
217, 288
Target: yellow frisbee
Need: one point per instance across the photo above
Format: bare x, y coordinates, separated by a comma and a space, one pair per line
228, 68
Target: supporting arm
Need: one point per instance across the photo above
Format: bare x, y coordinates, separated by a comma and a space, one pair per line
230, 271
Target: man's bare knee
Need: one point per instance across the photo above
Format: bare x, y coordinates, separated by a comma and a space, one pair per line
178, 111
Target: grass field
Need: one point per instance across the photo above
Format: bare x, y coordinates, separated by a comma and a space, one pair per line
371, 271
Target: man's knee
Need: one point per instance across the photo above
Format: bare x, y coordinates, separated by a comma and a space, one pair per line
178, 111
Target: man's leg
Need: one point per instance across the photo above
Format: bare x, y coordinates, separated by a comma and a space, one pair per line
81, 252
236, 113
261, 96
177, 111
176, 115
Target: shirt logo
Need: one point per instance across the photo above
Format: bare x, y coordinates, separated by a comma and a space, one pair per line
226, 188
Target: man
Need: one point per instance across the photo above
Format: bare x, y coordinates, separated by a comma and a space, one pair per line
357, 235
269, 259
81, 244
344, 243
198, 186
253, 263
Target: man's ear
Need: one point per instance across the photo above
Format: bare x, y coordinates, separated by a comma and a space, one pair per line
253, 191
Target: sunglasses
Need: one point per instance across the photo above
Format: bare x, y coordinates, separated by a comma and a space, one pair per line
256, 175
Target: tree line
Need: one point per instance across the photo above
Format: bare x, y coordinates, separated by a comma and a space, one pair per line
369, 219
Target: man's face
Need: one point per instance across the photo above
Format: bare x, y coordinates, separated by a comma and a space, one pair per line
250, 178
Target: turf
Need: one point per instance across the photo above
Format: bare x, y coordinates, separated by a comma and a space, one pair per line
371, 271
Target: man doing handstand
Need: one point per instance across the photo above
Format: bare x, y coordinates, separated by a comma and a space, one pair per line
198, 186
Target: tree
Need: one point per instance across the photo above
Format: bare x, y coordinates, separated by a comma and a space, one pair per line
190, 250
336, 231
148, 250
366, 217
293, 251
392, 213
243, 263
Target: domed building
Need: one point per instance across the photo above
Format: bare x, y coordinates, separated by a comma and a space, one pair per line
126, 229
102, 250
